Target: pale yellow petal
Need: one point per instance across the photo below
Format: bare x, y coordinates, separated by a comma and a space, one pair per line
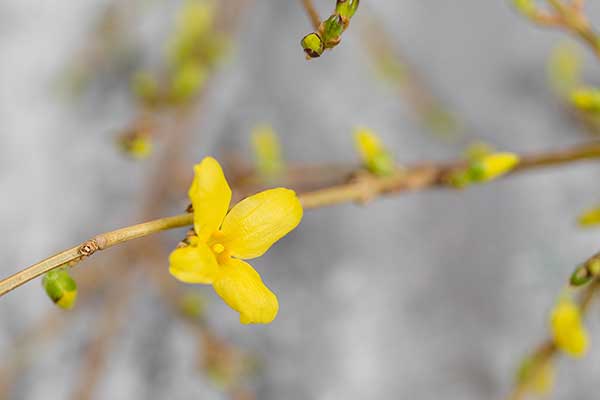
210, 195
241, 287
258, 221
193, 264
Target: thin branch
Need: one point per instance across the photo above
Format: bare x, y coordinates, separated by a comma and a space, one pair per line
547, 350
89, 247
313, 14
571, 18
362, 188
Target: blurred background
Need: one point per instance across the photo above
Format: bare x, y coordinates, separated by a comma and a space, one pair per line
426, 295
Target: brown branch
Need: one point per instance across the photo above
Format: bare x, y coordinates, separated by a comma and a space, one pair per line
547, 350
312, 13
571, 18
362, 188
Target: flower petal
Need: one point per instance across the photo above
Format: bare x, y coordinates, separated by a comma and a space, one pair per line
210, 195
255, 223
193, 264
240, 286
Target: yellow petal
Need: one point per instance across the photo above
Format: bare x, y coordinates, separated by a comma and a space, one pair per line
210, 195
193, 264
240, 286
255, 223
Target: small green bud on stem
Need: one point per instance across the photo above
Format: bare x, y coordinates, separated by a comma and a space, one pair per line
61, 288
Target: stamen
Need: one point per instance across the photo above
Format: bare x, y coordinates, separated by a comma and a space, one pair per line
218, 248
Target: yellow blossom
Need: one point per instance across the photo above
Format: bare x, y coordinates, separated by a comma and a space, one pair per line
567, 328
223, 239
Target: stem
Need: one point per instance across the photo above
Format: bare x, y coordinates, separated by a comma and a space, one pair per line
573, 20
312, 13
363, 188
89, 247
547, 350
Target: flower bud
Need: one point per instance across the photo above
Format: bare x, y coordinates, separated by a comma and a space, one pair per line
586, 99
346, 8
375, 157
313, 45
267, 152
332, 30
61, 288
492, 166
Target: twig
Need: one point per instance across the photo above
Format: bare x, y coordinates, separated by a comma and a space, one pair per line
571, 18
363, 188
547, 350
312, 13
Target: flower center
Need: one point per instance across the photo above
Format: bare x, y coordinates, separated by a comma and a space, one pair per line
218, 248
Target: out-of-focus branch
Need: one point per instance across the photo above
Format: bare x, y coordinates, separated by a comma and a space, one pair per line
547, 350
570, 17
312, 13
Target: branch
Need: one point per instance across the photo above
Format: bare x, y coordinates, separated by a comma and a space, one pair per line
571, 18
312, 13
89, 247
361, 188
547, 350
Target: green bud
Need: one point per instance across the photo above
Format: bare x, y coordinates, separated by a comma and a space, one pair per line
346, 8
313, 45
332, 30
476, 171
381, 164
61, 288
580, 276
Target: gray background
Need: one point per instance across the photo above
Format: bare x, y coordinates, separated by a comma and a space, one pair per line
431, 295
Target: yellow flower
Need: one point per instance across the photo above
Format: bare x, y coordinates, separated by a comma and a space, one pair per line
223, 239
567, 328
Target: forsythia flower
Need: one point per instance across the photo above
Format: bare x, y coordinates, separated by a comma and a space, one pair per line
567, 328
222, 239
